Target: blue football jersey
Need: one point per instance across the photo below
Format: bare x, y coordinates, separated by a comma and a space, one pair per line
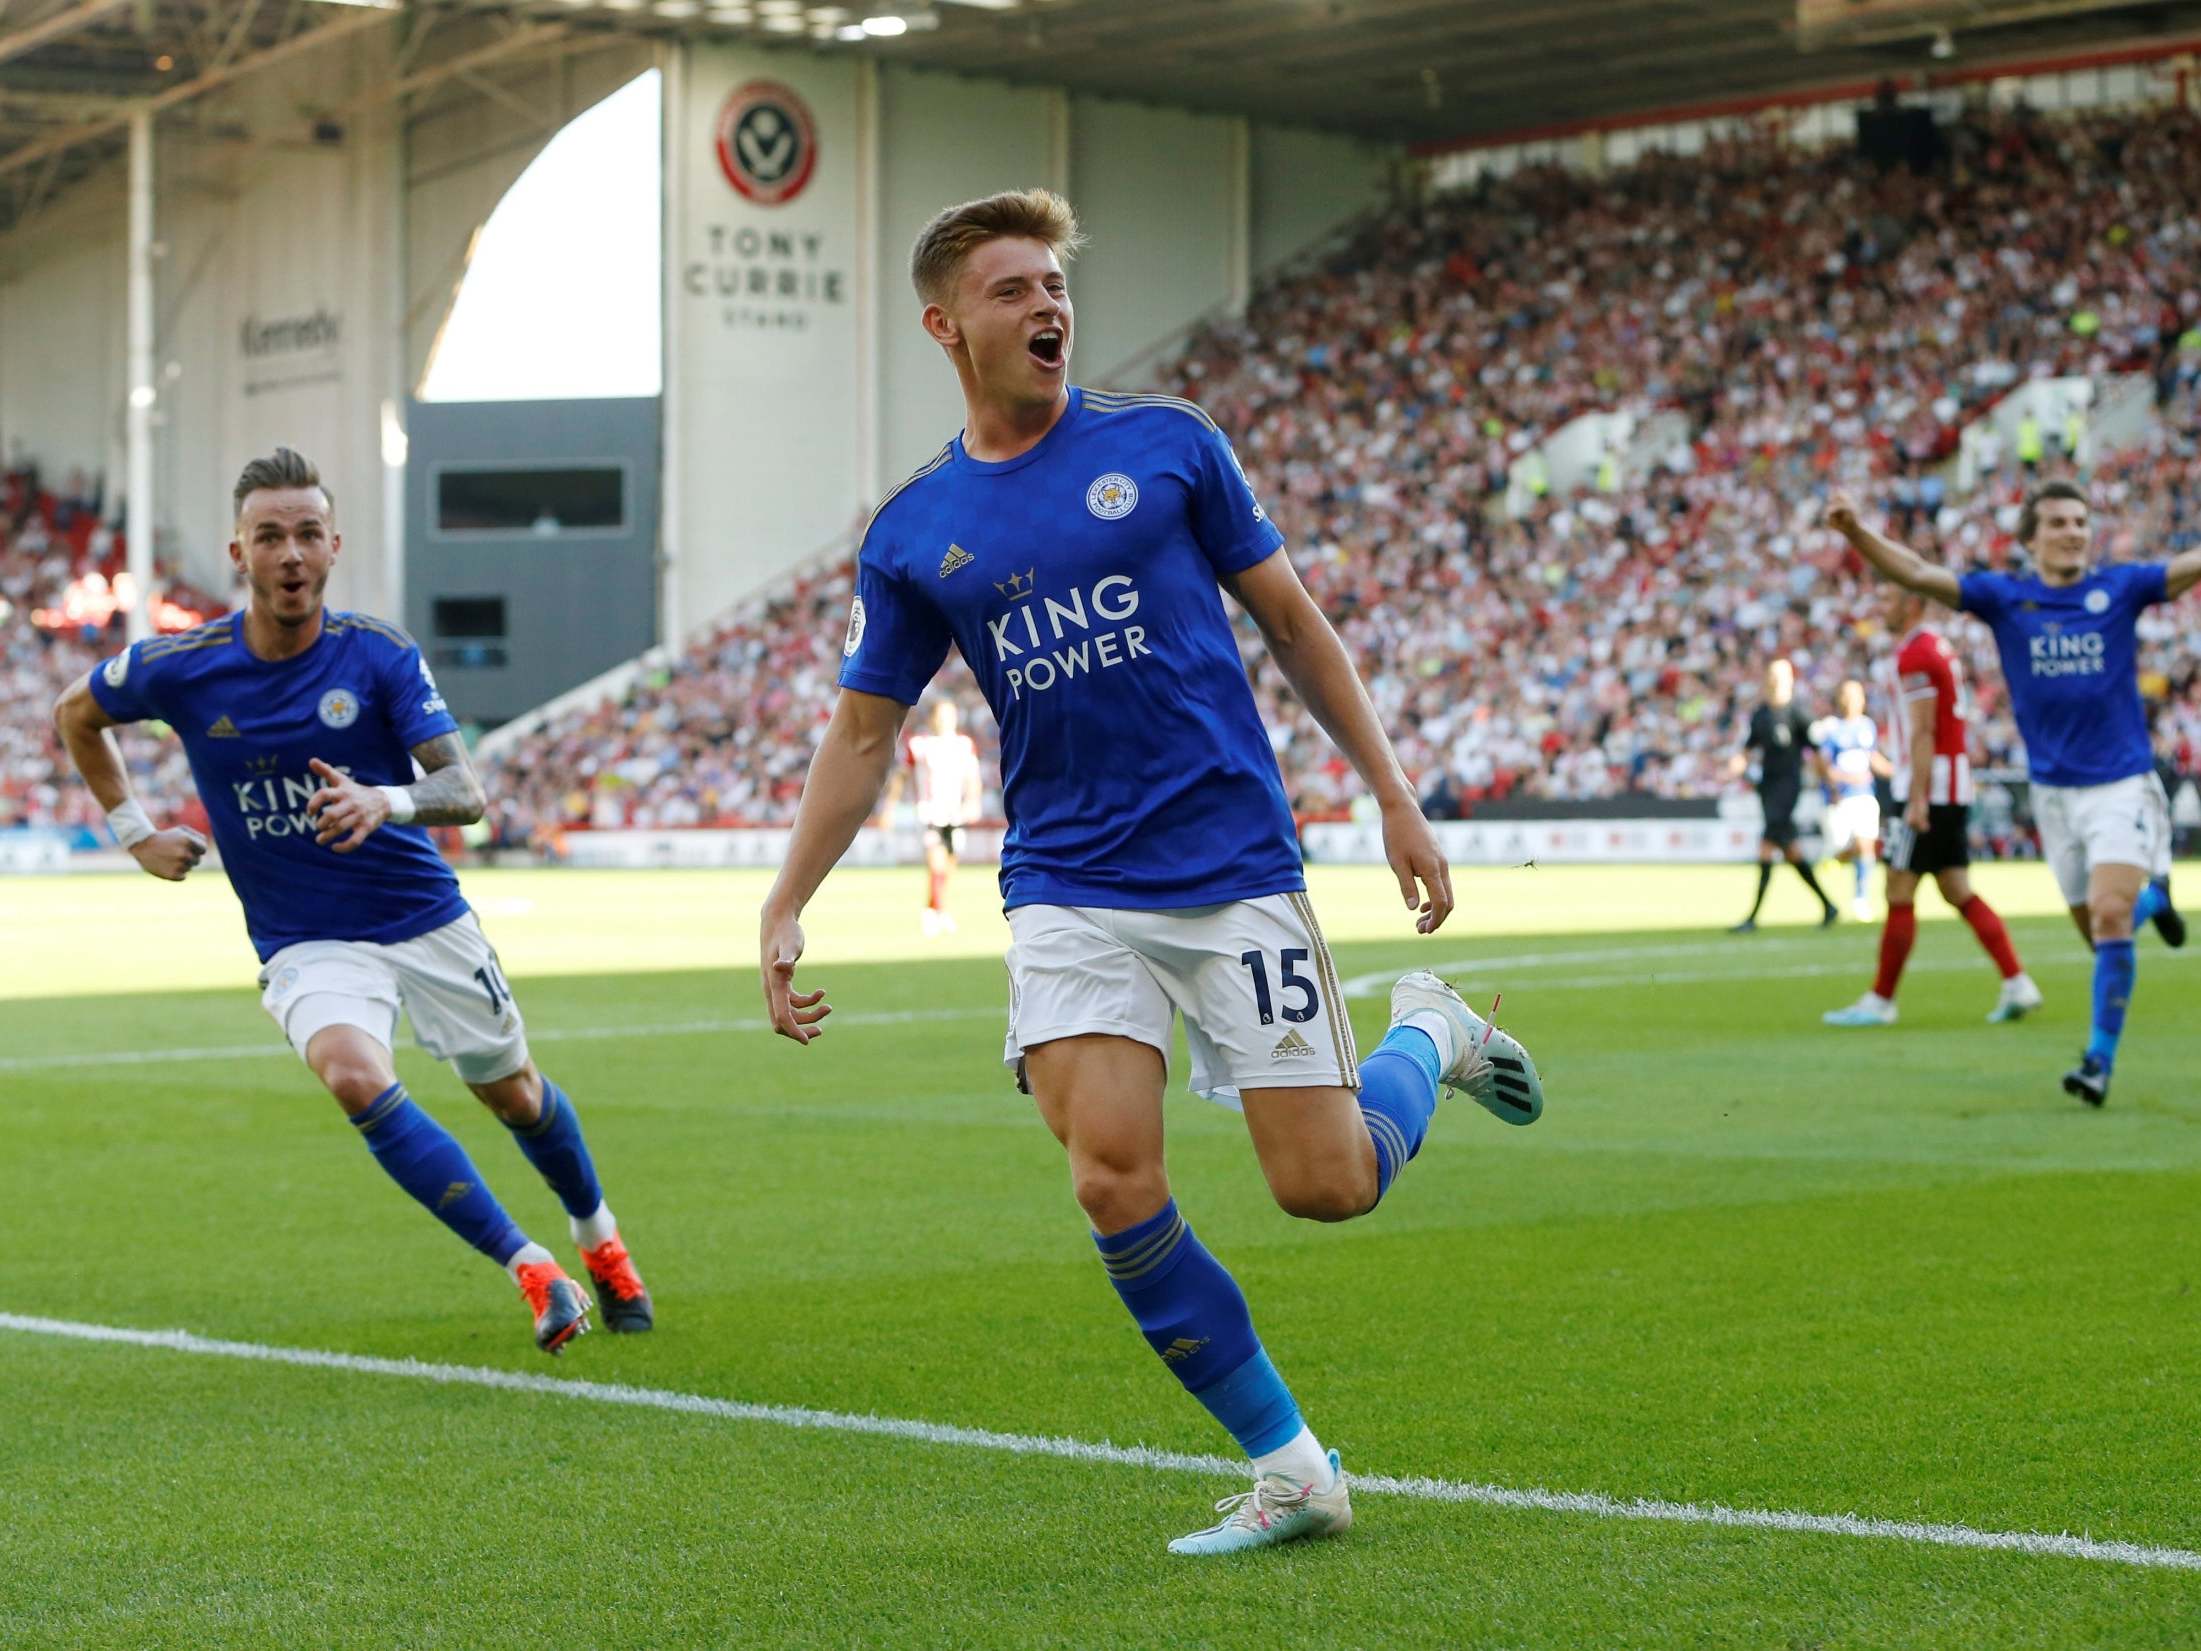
1848, 748
1079, 580
360, 698
2070, 657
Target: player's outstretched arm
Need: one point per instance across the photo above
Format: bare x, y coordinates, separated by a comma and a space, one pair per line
1315, 662
346, 813
845, 779
1892, 561
2180, 574
88, 733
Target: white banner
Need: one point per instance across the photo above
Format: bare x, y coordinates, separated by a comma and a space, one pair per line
1522, 842
762, 295
762, 846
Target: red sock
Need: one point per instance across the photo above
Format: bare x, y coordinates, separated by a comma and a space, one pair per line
1895, 947
1992, 935
939, 887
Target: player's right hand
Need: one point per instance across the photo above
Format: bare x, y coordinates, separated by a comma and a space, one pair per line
793, 1014
171, 854
1842, 513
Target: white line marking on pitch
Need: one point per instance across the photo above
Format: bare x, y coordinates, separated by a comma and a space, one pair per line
550, 1034
1141, 1456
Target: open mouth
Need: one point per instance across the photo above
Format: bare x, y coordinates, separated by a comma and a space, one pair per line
291, 587
1046, 347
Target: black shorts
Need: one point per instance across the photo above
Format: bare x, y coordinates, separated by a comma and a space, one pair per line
948, 837
1780, 816
1945, 844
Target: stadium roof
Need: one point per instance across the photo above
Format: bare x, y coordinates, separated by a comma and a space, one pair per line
1414, 70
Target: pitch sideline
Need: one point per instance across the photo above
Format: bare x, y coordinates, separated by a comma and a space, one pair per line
1590, 1503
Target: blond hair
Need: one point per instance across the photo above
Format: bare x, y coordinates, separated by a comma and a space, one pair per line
286, 467
955, 233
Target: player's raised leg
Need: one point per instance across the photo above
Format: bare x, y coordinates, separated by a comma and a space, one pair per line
1102, 1097
463, 1012
547, 1128
424, 1158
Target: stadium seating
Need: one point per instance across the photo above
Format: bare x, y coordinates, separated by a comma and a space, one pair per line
1814, 320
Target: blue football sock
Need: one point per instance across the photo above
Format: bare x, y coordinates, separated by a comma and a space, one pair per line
553, 1144
2115, 969
1398, 1093
1864, 876
2152, 899
1193, 1314
422, 1157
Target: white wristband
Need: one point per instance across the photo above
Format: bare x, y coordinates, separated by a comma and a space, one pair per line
401, 803
129, 822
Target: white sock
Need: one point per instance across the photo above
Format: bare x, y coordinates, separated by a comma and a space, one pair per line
1439, 1030
527, 1255
591, 1230
1300, 1457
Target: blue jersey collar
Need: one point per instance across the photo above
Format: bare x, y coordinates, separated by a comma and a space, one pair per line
1002, 467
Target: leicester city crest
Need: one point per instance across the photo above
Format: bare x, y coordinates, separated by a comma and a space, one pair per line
339, 708
767, 142
2097, 601
1112, 496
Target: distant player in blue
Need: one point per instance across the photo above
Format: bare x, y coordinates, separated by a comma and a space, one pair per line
303, 728
2067, 639
1849, 748
1075, 547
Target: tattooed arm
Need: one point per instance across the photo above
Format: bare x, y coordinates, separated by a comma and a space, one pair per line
450, 793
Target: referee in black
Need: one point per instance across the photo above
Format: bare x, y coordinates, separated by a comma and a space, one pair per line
1780, 737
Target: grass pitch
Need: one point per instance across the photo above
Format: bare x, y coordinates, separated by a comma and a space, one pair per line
1742, 1260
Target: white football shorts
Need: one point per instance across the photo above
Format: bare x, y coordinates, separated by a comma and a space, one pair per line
448, 981
2123, 823
1252, 978
1853, 820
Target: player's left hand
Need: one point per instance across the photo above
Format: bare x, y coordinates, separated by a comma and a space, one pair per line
1917, 813
1412, 849
344, 812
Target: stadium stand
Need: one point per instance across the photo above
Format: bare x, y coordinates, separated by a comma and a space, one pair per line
1813, 320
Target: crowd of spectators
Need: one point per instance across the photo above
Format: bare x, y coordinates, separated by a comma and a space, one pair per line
1814, 321
61, 565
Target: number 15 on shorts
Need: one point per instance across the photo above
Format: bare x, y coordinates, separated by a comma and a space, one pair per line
1300, 1008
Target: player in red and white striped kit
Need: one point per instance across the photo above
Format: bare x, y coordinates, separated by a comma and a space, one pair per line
950, 792
1923, 734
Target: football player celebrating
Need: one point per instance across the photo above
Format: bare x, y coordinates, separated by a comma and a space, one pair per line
1076, 548
2067, 637
303, 727
1930, 835
1849, 747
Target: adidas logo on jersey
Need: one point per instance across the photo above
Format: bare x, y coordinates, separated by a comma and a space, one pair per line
223, 729
1291, 1047
956, 558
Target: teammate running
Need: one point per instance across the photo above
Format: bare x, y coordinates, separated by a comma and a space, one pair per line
1074, 547
949, 793
1780, 734
1931, 833
303, 727
1849, 746
2067, 638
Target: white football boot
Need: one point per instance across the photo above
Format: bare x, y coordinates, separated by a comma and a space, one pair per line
1488, 1066
1279, 1508
2020, 997
1870, 1010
